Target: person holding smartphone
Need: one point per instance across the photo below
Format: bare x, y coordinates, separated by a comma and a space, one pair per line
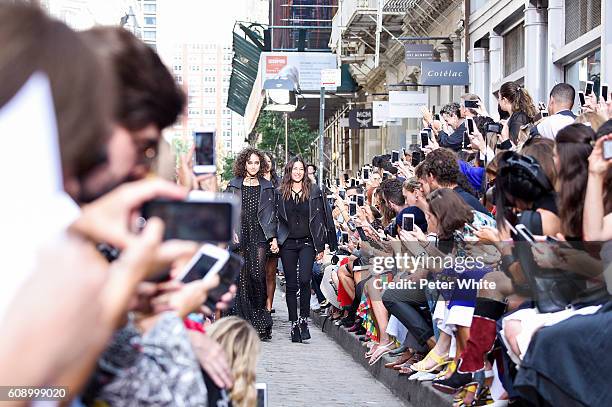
305, 225
257, 234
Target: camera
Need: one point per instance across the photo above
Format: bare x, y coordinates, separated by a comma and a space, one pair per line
494, 128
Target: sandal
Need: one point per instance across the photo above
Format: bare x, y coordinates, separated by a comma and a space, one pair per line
381, 351
440, 361
404, 357
406, 368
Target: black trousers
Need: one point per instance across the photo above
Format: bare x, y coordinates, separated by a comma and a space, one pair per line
298, 253
410, 308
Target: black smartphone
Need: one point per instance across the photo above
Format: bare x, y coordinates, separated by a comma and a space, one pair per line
424, 139
360, 200
344, 238
337, 182
353, 182
604, 91
470, 125
200, 221
228, 275
352, 208
342, 193
408, 222
470, 104
466, 141
588, 89
394, 156
544, 114
386, 175
416, 158
346, 178
582, 98
327, 183
437, 117
204, 142
366, 173
362, 234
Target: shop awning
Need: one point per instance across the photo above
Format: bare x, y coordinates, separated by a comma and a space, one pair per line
244, 72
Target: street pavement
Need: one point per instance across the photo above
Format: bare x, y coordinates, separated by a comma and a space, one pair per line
316, 373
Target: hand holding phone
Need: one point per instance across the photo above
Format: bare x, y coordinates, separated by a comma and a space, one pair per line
207, 262
205, 160
228, 275
408, 222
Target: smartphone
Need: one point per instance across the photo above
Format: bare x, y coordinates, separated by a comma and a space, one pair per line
416, 158
607, 149
544, 114
360, 200
353, 182
346, 178
394, 156
366, 173
525, 234
330, 200
470, 126
262, 394
509, 226
386, 174
352, 208
228, 275
466, 141
588, 89
337, 182
604, 91
327, 183
470, 104
202, 220
362, 234
582, 99
342, 193
424, 139
345, 238
470, 228
205, 161
408, 222
433, 110
207, 262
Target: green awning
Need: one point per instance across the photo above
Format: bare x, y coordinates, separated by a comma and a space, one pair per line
244, 71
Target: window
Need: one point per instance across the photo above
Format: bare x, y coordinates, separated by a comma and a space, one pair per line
581, 16
150, 8
514, 50
150, 20
149, 35
583, 70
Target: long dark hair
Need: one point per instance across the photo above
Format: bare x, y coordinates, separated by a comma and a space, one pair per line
519, 98
243, 157
273, 174
287, 183
450, 210
573, 150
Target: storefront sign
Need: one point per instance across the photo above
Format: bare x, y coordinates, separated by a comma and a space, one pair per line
380, 115
417, 53
301, 67
406, 103
361, 119
445, 73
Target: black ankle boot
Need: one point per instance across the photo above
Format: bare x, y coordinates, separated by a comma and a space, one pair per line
296, 336
305, 333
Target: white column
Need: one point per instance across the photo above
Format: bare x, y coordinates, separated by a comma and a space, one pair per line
606, 41
496, 67
480, 71
457, 57
556, 40
446, 96
535, 53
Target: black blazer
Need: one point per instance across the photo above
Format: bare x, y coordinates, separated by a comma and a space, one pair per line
321, 224
266, 212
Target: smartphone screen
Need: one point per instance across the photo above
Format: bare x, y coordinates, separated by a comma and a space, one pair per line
327, 182
201, 267
588, 88
353, 182
204, 152
262, 394
337, 182
360, 200
604, 91
416, 158
366, 173
470, 126
192, 220
607, 149
352, 208
408, 222
330, 200
471, 104
386, 174
582, 99
228, 275
362, 234
346, 177
544, 114
342, 193
466, 141
394, 156
424, 139
433, 110
345, 238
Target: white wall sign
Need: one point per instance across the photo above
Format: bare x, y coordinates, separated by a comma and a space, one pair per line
380, 115
331, 78
406, 104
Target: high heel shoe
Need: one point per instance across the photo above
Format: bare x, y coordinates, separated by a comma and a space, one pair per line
439, 360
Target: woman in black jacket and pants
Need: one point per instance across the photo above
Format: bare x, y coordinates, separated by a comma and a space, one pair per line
305, 225
258, 228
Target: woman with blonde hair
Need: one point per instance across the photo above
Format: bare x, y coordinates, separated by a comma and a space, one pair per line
241, 345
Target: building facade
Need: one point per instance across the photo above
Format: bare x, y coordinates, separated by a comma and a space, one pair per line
149, 22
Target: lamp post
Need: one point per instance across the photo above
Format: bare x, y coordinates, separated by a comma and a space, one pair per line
280, 97
321, 130
286, 138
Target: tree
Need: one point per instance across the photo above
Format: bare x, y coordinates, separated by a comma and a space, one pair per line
271, 126
228, 168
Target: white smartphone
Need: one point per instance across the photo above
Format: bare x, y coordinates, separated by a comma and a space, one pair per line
470, 125
588, 89
207, 262
204, 157
352, 208
394, 156
408, 222
366, 173
262, 394
525, 234
360, 200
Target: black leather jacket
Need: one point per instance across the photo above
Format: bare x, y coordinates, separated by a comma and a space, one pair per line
266, 212
322, 229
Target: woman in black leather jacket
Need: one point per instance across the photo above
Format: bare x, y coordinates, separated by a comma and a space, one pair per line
258, 227
305, 225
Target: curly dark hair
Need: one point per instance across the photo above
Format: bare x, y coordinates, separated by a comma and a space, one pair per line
243, 157
442, 164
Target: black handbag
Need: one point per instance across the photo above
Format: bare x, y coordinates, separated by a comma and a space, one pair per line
552, 289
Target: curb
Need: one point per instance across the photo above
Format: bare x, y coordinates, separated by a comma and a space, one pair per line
415, 393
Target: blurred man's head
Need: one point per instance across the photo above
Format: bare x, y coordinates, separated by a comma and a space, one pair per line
561, 98
82, 87
149, 101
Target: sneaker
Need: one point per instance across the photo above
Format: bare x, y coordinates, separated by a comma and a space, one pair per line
314, 304
295, 332
305, 333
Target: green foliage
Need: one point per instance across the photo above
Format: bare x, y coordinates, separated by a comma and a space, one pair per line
271, 126
228, 168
